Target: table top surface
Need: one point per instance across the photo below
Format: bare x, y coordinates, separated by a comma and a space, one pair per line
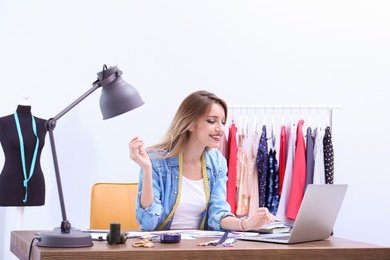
337, 248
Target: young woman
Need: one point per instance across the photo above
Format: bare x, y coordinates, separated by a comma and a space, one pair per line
182, 182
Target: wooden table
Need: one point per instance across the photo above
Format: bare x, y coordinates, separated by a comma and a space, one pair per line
333, 248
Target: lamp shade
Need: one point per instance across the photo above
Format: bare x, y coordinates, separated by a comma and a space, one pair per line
117, 96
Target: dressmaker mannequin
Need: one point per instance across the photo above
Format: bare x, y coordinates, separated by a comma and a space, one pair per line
13, 192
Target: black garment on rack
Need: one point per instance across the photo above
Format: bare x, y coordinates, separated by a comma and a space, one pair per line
12, 191
272, 194
262, 166
328, 156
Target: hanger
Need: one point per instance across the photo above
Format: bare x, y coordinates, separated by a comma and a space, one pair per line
255, 121
232, 117
300, 113
245, 130
273, 134
318, 119
240, 124
246, 124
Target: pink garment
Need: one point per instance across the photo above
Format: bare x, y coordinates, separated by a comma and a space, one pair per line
282, 157
232, 168
299, 175
291, 140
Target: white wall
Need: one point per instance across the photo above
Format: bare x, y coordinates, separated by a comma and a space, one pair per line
248, 52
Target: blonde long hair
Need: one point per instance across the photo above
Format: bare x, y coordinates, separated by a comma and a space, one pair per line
192, 108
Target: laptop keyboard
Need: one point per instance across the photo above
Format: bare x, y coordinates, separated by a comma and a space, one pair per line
279, 238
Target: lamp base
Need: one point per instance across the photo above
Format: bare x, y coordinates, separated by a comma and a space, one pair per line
76, 238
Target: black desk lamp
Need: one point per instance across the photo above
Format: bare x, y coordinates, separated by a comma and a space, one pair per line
117, 97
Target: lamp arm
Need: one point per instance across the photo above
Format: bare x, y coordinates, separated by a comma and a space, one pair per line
50, 125
53, 120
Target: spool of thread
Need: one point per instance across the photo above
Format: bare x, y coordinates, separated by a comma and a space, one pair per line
115, 233
170, 238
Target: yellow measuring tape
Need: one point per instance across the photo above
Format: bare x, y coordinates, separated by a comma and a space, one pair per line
206, 186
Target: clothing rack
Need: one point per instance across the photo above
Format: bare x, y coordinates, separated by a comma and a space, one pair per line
291, 107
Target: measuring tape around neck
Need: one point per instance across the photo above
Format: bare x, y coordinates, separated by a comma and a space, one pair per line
207, 191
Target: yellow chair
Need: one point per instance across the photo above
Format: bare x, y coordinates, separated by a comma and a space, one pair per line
113, 202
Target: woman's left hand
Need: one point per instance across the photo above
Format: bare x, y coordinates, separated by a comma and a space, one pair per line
261, 218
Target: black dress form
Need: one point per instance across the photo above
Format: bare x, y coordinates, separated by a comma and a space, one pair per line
12, 190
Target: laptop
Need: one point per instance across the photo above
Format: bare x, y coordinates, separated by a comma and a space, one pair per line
316, 217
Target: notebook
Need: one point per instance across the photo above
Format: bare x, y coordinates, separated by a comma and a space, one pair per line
316, 217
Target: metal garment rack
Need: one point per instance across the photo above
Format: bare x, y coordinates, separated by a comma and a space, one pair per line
330, 108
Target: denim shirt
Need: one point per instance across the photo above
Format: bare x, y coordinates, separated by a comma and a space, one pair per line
165, 189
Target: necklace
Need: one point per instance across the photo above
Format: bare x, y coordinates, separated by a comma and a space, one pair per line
207, 191
22, 153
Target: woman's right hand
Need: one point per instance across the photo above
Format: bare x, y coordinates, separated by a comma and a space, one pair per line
138, 153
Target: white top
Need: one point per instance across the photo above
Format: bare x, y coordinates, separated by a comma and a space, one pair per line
191, 205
